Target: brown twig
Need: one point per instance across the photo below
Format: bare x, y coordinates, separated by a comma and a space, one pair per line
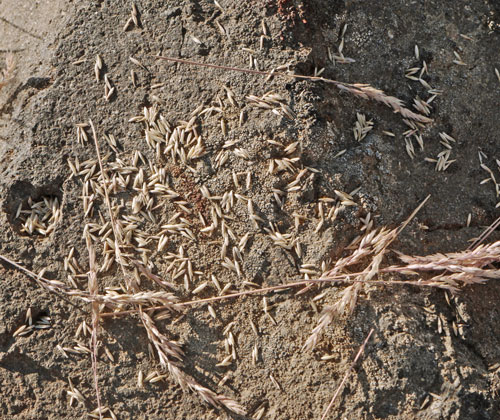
341, 385
360, 89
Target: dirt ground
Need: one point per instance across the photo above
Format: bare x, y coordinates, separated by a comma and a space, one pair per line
431, 356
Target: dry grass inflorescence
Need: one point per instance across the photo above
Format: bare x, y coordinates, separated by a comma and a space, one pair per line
136, 216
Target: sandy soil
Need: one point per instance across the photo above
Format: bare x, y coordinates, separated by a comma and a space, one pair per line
431, 356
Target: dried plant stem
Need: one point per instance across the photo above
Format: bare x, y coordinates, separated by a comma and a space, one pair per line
93, 291
114, 226
374, 246
161, 343
167, 350
164, 347
56, 287
487, 232
52, 286
344, 379
173, 304
344, 278
360, 89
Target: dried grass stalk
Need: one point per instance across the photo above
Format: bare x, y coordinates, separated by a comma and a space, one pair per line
447, 271
373, 246
165, 348
167, 300
187, 382
359, 89
163, 345
346, 375
369, 92
466, 267
93, 291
